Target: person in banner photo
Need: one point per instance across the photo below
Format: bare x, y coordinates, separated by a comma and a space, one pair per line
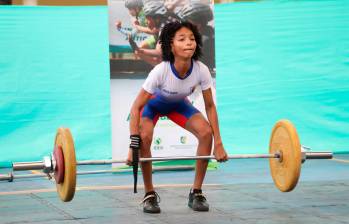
135, 9
174, 5
164, 93
155, 14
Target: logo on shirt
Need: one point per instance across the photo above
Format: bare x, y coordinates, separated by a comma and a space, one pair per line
169, 92
192, 89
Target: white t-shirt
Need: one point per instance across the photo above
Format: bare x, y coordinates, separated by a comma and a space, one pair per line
164, 81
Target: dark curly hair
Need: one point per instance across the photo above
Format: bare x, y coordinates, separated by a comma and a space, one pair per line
167, 34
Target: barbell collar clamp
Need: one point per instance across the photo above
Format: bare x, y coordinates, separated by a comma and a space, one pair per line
47, 165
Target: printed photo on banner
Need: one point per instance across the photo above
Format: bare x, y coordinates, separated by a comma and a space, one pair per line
135, 26
134, 29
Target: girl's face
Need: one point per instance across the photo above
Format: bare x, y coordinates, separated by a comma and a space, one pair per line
183, 44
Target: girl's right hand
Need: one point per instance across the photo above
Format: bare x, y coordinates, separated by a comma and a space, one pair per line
129, 158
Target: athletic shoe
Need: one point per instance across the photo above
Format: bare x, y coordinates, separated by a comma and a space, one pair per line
197, 202
151, 202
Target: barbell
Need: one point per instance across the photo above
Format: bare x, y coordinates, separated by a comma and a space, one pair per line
286, 156
10, 177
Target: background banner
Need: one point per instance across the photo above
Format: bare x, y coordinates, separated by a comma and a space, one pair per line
134, 50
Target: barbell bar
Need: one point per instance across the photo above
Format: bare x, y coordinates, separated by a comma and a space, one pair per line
40, 165
20, 166
286, 155
11, 176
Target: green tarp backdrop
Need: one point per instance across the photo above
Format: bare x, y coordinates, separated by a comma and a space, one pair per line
283, 59
54, 71
275, 59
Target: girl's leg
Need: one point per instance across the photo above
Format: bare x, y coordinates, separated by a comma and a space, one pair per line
146, 132
198, 125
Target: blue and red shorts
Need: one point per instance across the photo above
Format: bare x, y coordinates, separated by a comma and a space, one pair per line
178, 112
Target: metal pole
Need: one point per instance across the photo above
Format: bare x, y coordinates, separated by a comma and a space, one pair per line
41, 165
28, 166
157, 159
10, 176
309, 155
318, 155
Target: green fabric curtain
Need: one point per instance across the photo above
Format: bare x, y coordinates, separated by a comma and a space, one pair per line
275, 59
283, 59
54, 71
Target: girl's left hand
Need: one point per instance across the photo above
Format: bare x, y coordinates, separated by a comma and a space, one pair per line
219, 153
